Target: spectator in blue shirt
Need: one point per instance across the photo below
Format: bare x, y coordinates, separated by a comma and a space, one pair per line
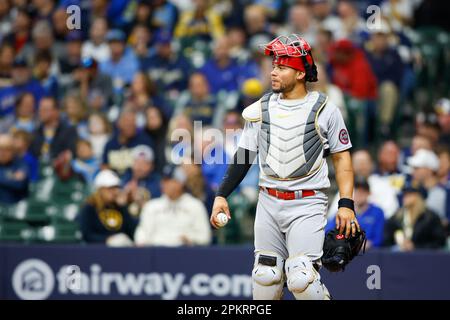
117, 153
22, 142
85, 164
13, 173
141, 182
123, 64
388, 69
169, 69
370, 217
22, 82
198, 103
222, 71
48, 81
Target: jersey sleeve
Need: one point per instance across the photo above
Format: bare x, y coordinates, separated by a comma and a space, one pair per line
335, 129
249, 137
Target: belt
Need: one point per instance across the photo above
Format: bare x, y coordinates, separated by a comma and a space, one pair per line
288, 195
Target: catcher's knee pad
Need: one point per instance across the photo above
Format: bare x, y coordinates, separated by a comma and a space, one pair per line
303, 280
267, 276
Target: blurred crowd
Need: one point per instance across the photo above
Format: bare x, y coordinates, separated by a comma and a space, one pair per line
88, 112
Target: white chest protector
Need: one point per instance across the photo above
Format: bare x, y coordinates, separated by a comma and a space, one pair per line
289, 141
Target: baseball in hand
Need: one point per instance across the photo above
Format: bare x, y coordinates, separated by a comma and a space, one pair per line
221, 219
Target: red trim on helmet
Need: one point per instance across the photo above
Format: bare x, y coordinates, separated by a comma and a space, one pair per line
293, 62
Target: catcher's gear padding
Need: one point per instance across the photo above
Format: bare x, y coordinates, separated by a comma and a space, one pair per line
339, 251
267, 276
303, 280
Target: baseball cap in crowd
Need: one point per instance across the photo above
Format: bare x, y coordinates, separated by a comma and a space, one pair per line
116, 35
143, 152
20, 62
361, 182
163, 37
382, 27
424, 159
106, 179
442, 106
171, 171
74, 36
410, 186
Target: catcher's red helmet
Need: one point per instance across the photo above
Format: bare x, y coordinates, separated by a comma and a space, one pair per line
292, 51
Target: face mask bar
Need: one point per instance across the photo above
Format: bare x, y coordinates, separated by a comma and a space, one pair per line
291, 46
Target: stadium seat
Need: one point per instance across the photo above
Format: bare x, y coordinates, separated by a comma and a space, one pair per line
15, 231
59, 232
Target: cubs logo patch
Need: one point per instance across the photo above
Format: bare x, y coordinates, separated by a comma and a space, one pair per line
343, 136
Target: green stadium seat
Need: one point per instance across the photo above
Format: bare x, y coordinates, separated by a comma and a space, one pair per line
15, 231
31, 211
59, 232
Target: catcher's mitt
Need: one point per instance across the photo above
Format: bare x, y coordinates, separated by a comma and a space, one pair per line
339, 251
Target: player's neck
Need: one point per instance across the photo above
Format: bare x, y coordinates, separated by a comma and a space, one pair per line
299, 92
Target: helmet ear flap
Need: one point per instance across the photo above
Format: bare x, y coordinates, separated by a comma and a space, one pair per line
310, 68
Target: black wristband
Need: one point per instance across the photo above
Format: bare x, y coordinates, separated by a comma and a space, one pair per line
346, 203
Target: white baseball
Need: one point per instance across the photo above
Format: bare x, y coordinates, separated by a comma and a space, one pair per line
221, 219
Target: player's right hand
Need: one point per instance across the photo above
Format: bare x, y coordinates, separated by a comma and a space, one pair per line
220, 205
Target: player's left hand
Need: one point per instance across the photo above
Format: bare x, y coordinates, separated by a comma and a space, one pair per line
344, 219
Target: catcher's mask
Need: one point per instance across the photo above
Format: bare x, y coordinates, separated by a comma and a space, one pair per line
292, 51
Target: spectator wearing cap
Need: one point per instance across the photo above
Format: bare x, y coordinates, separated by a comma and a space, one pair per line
43, 74
169, 69
71, 59
222, 71
141, 182
96, 47
102, 219
14, 173
95, 87
198, 102
22, 81
117, 154
370, 217
414, 226
352, 73
53, 136
388, 68
174, 219
442, 110
425, 166
123, 63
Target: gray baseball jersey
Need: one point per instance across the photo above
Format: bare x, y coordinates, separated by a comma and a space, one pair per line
291, 124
